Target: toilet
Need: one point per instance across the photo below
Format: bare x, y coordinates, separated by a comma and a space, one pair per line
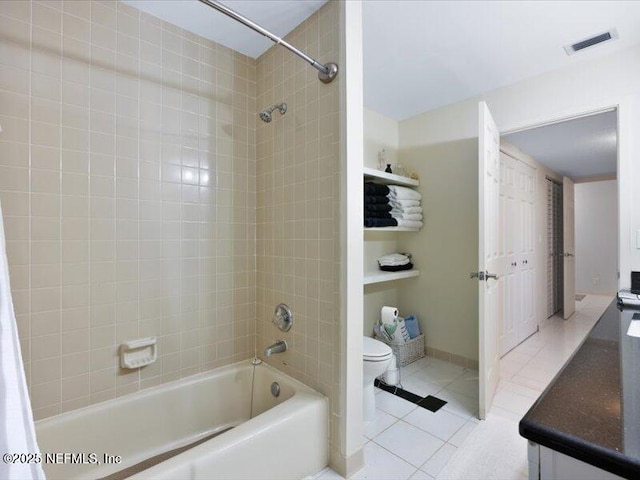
376, 357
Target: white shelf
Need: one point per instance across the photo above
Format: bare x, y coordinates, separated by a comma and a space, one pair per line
380, 276
391, 229
389, 178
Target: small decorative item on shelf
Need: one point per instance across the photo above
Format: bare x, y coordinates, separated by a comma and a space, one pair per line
388, 169
415, 176
382, 159
399, 170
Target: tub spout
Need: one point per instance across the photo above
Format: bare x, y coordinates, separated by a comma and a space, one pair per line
278, 347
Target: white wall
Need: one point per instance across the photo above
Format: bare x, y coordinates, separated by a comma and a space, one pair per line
350, 457
596, 207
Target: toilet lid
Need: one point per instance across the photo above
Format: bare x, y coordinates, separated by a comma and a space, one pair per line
374, 350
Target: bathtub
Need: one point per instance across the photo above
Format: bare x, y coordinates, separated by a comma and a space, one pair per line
287, 437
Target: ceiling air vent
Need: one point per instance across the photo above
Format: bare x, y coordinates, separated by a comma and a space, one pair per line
591, 41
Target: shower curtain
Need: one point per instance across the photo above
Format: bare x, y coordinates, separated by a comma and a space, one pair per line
20, 454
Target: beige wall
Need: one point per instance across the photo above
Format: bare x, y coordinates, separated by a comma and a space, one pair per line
446, 249
380, 132
298, 197
127, 180
377, 295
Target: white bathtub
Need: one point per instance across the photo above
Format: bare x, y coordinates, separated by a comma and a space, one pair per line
287, 438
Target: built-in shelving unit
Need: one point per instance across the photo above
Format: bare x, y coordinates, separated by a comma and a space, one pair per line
391, 229
380, 276
389, 178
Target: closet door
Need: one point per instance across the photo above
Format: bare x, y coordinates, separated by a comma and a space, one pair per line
527, 261
510, 279
518, 192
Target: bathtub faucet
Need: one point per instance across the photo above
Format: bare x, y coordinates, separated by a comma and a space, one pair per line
278, 347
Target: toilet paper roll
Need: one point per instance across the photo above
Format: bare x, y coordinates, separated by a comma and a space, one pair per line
388, 315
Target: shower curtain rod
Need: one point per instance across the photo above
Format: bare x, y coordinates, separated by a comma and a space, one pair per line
326, 72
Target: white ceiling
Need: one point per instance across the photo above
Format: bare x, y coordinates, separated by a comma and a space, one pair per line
420, 55
576, 148
278, 16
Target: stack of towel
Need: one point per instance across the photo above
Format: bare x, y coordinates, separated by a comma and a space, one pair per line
406, 206
377, 210
395, 262
391, 206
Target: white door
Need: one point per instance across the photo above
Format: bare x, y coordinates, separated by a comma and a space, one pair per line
568, 231
488, 257
517, 220
527, 261
509, 230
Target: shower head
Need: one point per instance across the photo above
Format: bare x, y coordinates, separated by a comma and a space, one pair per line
265, 115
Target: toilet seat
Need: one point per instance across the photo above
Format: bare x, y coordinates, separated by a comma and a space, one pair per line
375, 350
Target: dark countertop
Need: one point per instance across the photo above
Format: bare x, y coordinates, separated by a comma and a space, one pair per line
591, 410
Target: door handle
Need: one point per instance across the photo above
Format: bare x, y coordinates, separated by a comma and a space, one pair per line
567, 254
483, 275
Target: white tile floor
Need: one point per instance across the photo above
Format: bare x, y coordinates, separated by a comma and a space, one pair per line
409, 442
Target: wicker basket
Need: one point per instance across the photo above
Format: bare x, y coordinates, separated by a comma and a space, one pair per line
406, 352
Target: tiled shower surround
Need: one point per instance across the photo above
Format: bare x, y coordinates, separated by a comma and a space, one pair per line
298, 207
127, 181
143, 197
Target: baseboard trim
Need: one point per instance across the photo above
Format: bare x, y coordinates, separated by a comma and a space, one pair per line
452, 358
346, 466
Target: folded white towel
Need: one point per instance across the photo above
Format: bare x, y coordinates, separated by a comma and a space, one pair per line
403, 193
407, 216
393, 260
393, 257
395, 263
406, 210
404, 203
409, 223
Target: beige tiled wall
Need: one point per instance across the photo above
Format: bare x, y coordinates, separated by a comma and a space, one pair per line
127, 180
298, 184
